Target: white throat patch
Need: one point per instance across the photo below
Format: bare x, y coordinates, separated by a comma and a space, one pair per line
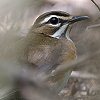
59, 32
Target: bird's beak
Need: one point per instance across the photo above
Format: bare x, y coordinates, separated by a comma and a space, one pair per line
77, 18
72, 19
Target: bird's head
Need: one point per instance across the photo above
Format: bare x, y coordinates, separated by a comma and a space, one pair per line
55, 23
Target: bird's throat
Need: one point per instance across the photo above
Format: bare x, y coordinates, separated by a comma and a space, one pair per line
61, 32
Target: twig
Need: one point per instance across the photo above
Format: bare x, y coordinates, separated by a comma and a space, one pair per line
93, 26
96, 25
96, 5
75, 64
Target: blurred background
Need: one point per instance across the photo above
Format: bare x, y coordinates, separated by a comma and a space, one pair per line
17, 17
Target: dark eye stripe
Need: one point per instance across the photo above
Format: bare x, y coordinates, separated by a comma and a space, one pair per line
62, 21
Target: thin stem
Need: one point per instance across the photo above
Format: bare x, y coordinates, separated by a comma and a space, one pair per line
96, 4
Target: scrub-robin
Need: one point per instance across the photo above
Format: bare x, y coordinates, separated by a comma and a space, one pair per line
49, 43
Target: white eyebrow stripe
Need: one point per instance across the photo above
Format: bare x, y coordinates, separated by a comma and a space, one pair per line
47, 18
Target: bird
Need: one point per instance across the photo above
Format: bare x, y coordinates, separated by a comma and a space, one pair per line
49, 43
46, 46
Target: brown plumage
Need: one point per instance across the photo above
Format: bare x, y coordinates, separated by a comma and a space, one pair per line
49, 52
49, 43
46, 47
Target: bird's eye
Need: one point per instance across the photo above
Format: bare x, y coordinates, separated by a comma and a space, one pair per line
54, 20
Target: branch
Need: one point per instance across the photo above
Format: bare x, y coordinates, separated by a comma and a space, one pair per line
96, 5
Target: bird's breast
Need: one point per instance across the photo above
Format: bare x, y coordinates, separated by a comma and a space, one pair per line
68, 51
48, 56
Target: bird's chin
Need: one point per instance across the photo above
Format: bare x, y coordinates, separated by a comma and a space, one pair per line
61, 32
